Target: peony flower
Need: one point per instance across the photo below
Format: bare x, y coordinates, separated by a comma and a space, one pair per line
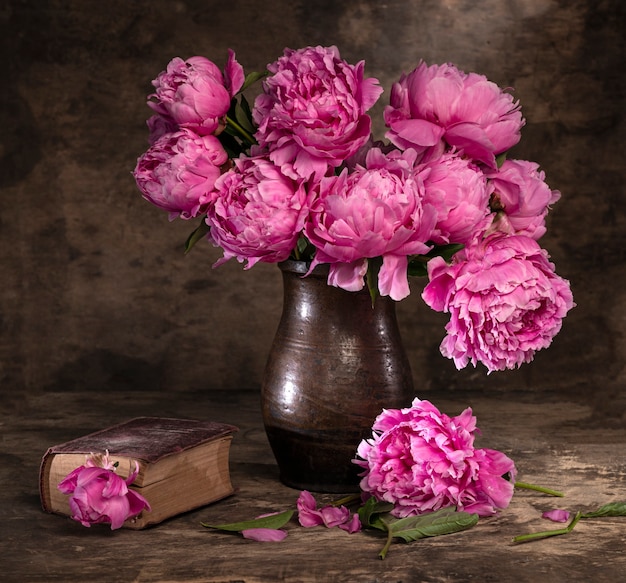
421, 460
438, 106
371, 212
309, 515
194, 94
257, 213
99, 496
178, 172
522, 198
459, 191
504, 299
312, 114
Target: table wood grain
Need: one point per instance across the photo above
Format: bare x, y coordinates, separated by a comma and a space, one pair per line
556, 442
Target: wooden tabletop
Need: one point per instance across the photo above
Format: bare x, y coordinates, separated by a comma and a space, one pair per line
555, 441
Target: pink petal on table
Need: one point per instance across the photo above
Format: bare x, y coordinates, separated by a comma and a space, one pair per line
556, 515
264, 534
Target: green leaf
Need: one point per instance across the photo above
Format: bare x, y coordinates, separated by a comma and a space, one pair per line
612, 509
252, 78
501, 159
198, 234
373, 267
444, 521
369, 513
274, 521
244, 116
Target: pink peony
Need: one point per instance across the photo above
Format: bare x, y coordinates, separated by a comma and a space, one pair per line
460, 193
309, 515
421, 460
522, 198
99, 496
371, 212
312, 114
440, 105
257, 213
194, 94
504, 299
179, 171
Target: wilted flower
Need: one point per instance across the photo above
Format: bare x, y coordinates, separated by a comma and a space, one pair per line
521, 198
312, 114
98, 495
194, 94
439, 106
309, 515
178, 172
504, 298
257, 212
421, 460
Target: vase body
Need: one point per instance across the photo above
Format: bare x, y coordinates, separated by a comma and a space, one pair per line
335, 363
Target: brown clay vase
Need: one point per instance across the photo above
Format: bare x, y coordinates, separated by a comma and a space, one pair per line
335, 363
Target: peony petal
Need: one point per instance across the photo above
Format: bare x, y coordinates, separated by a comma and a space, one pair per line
264, 534
556, 515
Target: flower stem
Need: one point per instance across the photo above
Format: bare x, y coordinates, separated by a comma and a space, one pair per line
524, 538
244, 134
526, 486
346, 499
383, 552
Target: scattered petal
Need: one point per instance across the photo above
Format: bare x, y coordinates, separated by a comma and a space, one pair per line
264, 534
556, 515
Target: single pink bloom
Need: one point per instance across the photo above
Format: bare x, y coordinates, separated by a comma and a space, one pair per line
256, 213
194, 94
438, 107
178, 172
504, 299
374, 211
264, 534
421, 460
98, 495
311, 115
521, 198
460, 193
556, 515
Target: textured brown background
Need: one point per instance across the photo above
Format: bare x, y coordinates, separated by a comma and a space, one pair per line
96, 294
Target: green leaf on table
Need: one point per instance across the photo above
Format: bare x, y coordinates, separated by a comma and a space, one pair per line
274, 521
612, 509
444, 521
370, 513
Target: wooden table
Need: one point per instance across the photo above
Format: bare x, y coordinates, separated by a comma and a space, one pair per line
555, 441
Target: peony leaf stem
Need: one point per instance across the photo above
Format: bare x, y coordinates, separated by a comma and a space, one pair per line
246, 135
524, 538
526, 486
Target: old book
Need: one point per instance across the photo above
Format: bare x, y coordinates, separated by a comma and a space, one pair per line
183, 464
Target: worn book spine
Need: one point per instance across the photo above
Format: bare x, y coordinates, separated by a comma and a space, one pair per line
183, 464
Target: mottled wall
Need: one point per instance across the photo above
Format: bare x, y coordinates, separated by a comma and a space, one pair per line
95, 289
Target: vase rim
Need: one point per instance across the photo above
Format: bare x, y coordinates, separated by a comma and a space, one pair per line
302, 267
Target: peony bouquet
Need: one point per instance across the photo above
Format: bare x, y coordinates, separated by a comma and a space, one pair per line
298, 175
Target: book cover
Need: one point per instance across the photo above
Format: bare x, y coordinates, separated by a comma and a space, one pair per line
183, 464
